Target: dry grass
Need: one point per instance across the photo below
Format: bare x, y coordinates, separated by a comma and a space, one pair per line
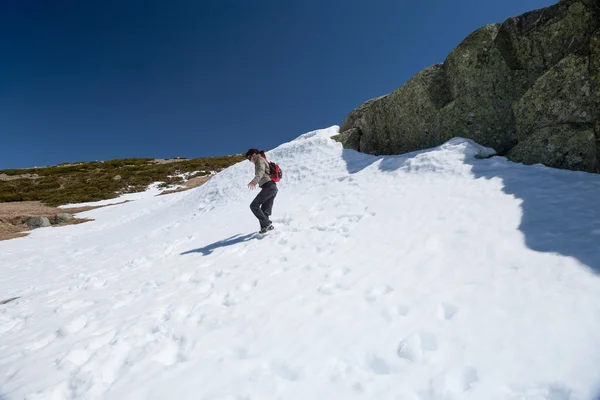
9, 231
169, 160
13, 216
100, 180
4, 177
189, 184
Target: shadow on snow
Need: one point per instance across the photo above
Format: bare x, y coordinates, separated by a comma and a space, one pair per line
560, 208
356, 162
560, 212
236, 239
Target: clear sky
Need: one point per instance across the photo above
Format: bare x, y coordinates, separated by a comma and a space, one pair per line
104, 79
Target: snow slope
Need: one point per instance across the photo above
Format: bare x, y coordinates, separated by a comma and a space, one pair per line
151, 191
432, 275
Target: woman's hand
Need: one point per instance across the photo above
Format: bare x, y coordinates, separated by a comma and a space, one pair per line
251, 185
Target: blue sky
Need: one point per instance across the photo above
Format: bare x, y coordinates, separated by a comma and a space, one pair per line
97, 80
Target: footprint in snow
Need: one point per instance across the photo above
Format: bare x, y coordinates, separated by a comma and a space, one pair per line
228, 300
204, 286
74, 326
329, 289
286, 371
217, 274
338, 272
73, 305
74, 359
169, 351
378, 365
9, 324
358, 387
124, 301
401, 309
415, 347
278, 271
177, 314
248, 286
390, 313
552, 391
239, 353
377, 292
185, 277
41, 343
447, 311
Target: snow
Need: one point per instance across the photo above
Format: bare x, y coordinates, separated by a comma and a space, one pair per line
432, 275
150, 192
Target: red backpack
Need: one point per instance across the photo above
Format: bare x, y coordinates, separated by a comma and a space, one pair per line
274, 171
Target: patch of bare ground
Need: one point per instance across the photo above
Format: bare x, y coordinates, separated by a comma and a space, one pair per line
189, 184
4, 177
14, 216
168, 160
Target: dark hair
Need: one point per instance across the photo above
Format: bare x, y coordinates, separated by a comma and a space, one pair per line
252, 152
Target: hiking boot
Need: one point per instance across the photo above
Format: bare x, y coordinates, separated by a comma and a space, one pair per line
266, 229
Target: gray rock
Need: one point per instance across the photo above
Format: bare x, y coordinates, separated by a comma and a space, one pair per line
350, 139
117, 178
62, 218
565, 146
483, 88
353, 119
408, 118
539, 39
38, 222
595, 76
529, 88
563, 95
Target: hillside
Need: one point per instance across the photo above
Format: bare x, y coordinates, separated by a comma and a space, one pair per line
447, 273
93, 181
35, 192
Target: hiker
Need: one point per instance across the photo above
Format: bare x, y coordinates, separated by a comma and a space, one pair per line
262, 205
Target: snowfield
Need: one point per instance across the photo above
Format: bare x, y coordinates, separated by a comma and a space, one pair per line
434, 275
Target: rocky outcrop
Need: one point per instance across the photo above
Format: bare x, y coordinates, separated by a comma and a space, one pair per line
529, 88
595, 76
555, 118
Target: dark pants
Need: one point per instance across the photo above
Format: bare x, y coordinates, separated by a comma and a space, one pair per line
262, 205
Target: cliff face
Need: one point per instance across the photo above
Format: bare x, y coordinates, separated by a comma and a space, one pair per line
529, 88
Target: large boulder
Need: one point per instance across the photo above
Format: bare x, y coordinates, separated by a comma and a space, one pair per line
555, 118
529, 88
483, 88
353, 119
595, 76
538, 40
566, 146
38, 222
61, 218
407, 118
350, 138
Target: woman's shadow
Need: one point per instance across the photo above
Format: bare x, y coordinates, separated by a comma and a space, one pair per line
233, 240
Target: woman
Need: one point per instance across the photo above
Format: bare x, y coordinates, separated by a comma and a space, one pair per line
262, 205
